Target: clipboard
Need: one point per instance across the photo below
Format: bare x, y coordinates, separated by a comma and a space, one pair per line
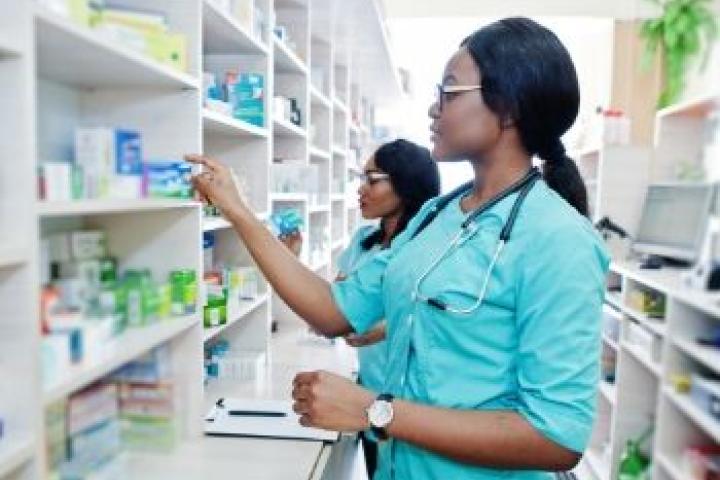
232, 417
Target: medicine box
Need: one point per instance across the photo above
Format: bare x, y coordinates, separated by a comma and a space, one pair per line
705, 392
111, 160
249, 96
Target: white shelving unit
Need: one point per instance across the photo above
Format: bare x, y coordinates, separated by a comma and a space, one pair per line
680, 136
616, 178
56, 75
643, 393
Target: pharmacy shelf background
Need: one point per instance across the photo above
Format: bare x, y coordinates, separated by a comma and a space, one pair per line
68, 77
653, 323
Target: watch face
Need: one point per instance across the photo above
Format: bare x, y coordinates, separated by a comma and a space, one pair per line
380, 413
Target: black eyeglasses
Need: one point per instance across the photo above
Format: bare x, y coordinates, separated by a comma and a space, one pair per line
444, 93
371, 178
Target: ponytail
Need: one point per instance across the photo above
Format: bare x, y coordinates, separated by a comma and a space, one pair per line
562, 175
528, 78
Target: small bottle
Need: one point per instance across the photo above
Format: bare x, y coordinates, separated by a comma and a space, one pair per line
633, 465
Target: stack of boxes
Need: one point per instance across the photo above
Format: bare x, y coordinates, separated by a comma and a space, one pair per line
134, 409
93, 430
147, 403
85, 303
226, 286
146, 32
109, 163
238, 95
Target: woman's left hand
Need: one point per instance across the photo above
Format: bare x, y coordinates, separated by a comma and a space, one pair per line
331, 402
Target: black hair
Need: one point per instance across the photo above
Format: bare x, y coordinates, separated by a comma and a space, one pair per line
414, 177
529, 79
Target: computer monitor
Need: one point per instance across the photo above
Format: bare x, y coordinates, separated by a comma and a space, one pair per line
674, 220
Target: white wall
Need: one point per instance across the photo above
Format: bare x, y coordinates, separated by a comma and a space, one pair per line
423, 45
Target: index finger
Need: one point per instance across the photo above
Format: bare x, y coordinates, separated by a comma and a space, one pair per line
208, 162
304, 377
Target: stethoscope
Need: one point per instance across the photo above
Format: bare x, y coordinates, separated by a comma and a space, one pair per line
468, 229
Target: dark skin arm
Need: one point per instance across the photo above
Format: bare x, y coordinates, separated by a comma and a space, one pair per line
502, 439
313, 302
493, 439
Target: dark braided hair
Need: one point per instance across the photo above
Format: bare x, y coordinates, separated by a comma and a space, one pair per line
414, 177
528, 78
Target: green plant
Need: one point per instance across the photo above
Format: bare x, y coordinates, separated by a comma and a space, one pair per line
685, 30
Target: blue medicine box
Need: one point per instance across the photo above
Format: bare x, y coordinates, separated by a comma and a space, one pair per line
249, 99
128, 152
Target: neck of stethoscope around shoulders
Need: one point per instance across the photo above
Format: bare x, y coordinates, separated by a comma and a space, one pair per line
468, 229
524, 185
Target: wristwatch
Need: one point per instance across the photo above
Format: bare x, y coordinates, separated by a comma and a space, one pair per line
380, 414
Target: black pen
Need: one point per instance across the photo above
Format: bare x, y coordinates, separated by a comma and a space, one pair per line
256, 413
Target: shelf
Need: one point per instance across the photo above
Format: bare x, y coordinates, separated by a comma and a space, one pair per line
337, 197
668, 281
339, 151
98, 207
288, 197
246, 308
8, 49
700, 418
126, 347
708, 356
643, 358
223, 34
211, 224
221, 124
284, 128
338, 104
78, 56
608, 391
318, 98
14, 452
698, 107
671, 467
610, 342
658, 327
319, 208
12, 255
599, 467
316, 152
287, 61
614, 299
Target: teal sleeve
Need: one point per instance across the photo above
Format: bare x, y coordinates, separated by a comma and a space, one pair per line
353, 251
560, 295
360, 296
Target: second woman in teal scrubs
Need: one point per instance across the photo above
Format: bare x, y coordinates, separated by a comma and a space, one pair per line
493, 332
397, 180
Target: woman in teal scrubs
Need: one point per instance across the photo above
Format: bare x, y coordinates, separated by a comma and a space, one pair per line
397, 180
492, 296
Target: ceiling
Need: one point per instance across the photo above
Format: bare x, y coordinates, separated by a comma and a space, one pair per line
493, 8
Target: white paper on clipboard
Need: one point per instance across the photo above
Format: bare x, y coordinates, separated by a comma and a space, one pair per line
220, 423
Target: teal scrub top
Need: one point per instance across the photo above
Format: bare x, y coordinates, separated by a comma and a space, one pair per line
532, 347
372, 358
